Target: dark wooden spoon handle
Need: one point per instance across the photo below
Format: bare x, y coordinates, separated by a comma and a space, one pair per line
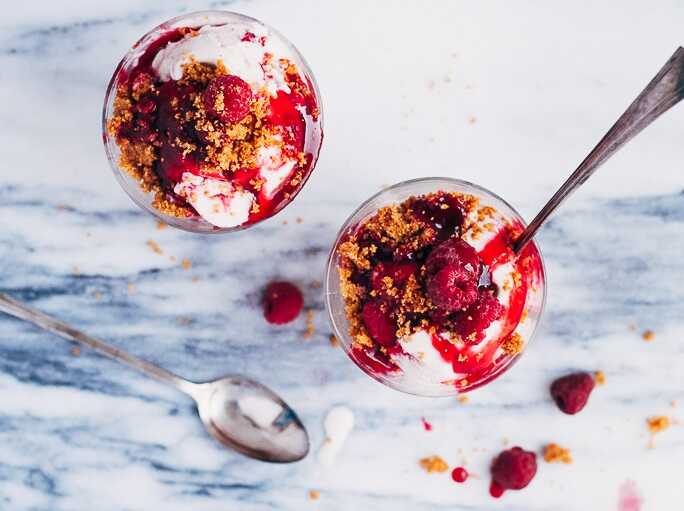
662, 93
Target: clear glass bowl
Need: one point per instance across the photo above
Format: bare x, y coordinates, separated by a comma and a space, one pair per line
535, 299
314, 130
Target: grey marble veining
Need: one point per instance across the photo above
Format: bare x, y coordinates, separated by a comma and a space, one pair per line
82, 433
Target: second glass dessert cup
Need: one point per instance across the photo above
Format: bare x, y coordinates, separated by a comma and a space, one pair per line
430, 361
256, 57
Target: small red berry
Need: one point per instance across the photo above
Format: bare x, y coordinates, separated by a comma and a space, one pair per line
452, 288
475, 319
459, 474
228, 98
513, 469
454, 251
398, 272
376, 316
282, 302
571, 392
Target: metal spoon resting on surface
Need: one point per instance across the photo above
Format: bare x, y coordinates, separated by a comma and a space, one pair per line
239, 413
662, 93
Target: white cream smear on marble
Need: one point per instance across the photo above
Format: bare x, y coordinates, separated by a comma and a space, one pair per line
258, 65
337, 425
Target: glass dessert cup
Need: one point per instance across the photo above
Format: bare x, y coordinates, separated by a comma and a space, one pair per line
267, 183
416, 363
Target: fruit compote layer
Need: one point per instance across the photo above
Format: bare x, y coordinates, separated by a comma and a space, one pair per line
433, 293
218, 122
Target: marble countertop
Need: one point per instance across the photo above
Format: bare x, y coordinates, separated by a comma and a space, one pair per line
509, 95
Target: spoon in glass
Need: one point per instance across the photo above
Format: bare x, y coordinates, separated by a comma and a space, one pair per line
239, 413
662, 93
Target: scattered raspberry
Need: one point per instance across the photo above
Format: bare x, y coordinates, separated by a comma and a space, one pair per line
376, 317
514, 468
554, 453
228, 98
454, 251
496, 490
571, 392
282, 302
479, 316
459, 474
434, 464
398, 272
426, 425
452, 288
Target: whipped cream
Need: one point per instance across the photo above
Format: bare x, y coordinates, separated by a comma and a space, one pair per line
275, 169
257, 64
338, 424
217, 201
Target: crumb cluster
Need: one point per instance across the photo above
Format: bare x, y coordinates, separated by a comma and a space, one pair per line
554, 453
434, 464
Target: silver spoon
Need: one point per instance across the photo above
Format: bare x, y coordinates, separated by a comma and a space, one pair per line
662, 93
238, 412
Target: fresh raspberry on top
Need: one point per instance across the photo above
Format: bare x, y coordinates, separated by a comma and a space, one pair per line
282, 302
513, 469
571, 392
454, 251
452, 288
476, 318
228, 98
377, 318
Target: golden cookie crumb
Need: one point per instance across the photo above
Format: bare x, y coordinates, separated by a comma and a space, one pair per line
463, 399
310, 329
334, 342
658, 423
648, 335
554, 453
154, 246
599, 378
97, 295
513, 344
161, 225
75, 351
314, 495
131, 287
186, 264
472, 119
434, 464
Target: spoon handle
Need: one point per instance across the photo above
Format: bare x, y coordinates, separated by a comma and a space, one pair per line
22, 311
662, 93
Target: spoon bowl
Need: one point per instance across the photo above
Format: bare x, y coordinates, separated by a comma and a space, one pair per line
248, 417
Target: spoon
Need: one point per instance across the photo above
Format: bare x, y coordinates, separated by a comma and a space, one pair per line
239, 413
662, 93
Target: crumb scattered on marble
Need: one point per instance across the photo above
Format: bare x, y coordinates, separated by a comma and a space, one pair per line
505, 441
195, 279
75, 351
600, 378
310, 329
62, 207
648, 335
554, 453
463, 399
472, 119
97, 295
632, 327
184, 320
284, 222
673, 403
299, 220
173, 259
186, 264
314, 495
131, 287
154, 246
658, 423
161, 225
434, 464
334, 342
76, 270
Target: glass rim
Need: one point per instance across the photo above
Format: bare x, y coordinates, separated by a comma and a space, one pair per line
331, 267
110, 144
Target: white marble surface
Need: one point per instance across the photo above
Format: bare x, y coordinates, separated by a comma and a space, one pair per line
402, 83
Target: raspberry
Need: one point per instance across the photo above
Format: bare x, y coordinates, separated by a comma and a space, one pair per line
571, 392
513, 469
282, 302
476, 318
228, 98
398, 272
454, 251
452, 288
376, 317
